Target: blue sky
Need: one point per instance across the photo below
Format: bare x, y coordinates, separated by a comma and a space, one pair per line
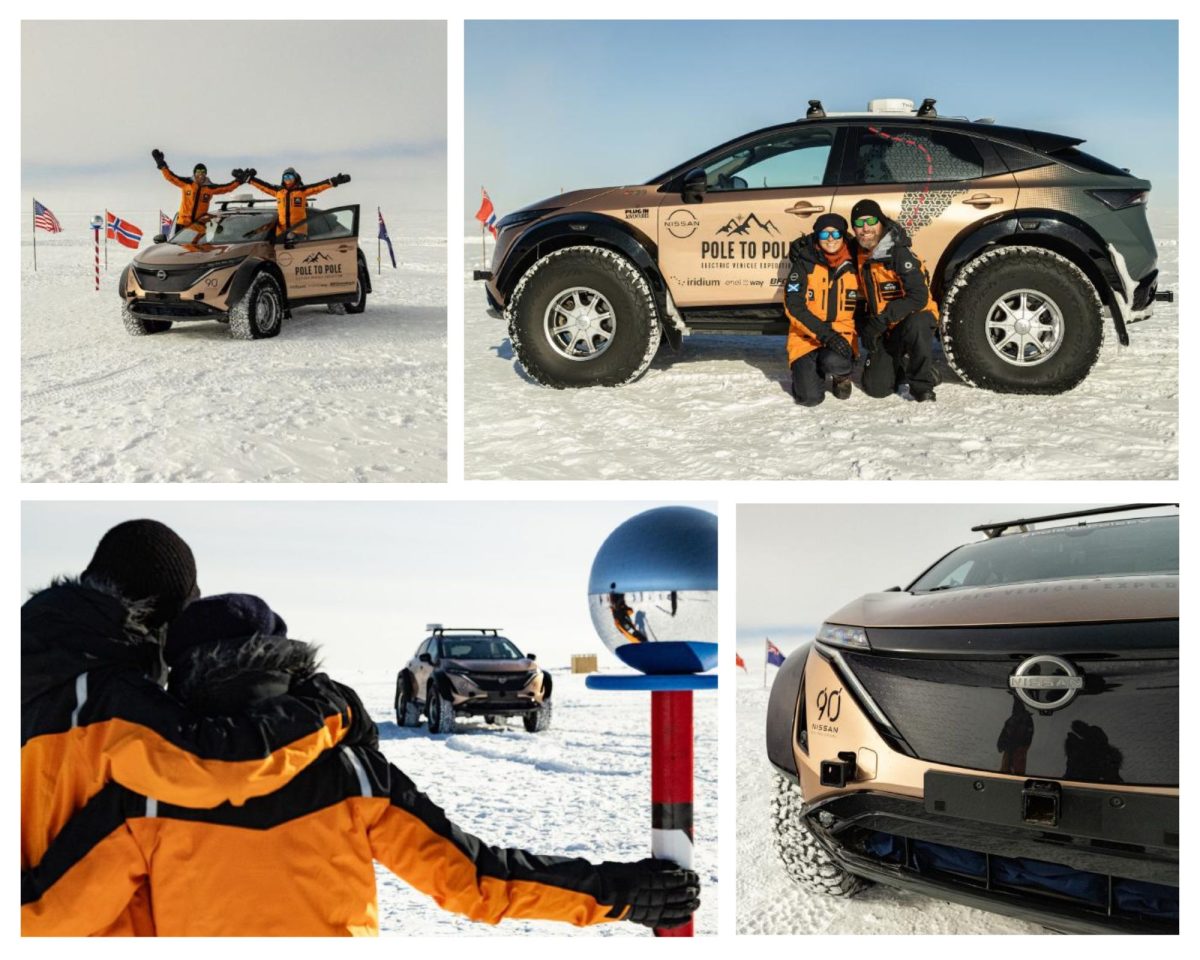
569, 104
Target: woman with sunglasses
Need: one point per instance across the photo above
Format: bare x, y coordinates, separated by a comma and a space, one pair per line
292, 197
820, 298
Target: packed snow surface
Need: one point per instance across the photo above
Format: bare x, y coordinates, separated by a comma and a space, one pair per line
768, 901
332, 398
580, 789
720, 409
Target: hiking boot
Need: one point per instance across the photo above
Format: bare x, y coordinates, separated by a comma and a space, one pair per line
841, 388
922, 395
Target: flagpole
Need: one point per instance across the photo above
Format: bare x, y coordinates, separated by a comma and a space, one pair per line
483, 246
34, 210
766, 651
105, 241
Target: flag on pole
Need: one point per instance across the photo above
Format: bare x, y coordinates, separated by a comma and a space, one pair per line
45, 220
486, 214
740, 662
124, 232
774, 655
490, 223
165, 223
383, 235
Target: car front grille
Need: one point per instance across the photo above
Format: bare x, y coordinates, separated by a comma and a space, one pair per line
175, 280
501, 682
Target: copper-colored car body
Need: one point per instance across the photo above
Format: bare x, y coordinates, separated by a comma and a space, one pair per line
204, 271
903, 725
710, 239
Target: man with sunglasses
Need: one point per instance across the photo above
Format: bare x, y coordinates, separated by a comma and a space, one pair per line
820, 299
291, 197
899, 313
198, 190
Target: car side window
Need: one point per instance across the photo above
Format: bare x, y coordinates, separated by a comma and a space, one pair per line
330, 224
422, 648
905, 155
795, 158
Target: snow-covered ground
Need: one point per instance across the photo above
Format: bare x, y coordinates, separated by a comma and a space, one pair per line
332, 398
720, 410
581, 788
769, 902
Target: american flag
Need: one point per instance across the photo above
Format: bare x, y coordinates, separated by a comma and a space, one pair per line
44, 219
383, 235
124, 232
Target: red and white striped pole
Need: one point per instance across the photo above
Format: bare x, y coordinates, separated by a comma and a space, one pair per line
672, 759
96, 248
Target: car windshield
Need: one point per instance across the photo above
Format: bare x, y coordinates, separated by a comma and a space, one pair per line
1113, 549
227, 228
480, 648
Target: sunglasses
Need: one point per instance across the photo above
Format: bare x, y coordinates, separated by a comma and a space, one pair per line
866, 221
288, 176
830, 235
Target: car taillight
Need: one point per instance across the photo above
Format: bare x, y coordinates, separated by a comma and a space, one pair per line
1120, 199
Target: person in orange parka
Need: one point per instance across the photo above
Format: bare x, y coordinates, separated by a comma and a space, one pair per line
93, 710
820, 299
299, 862
291, 196
198, 190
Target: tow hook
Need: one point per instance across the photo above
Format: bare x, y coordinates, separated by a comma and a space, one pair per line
1040, 803
1164, 296
839, 772
483, 274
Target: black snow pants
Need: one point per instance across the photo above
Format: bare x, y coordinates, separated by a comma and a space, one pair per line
809, 373
904, 354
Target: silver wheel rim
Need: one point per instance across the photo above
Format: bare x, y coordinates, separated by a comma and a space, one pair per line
579, 324
267, 312
1024, 328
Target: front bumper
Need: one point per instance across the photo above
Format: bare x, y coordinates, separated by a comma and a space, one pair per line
499, 706
165, 306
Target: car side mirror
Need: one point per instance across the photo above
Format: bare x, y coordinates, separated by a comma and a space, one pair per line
289, 240
425, 658
160, 238
531, 656
892, 590
695, 185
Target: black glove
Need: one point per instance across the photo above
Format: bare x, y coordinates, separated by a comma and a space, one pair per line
158, 158
839, 345
340, 179
238, 174
658, 893
250, 173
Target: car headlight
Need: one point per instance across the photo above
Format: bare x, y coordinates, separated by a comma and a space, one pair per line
222, 264
838, 635
522, 216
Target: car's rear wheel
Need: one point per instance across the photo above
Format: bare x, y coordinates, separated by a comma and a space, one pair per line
259, 314
137, 327
439, 710
359, 304
538, 720
804, 859
583, 316
408, 714
1022, 320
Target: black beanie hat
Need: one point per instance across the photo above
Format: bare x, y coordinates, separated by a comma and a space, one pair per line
147, 560
865, 208
835, 220
227, 616
200, 166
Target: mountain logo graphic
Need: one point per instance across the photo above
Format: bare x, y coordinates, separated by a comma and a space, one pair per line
743, 226
316, 257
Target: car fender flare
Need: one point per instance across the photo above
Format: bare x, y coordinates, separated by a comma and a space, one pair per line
362, 262
247, 270
443, 685
406, 678
547, 686
122, 281
1053, 230
783, 710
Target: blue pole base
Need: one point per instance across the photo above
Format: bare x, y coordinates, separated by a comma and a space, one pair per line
651, 681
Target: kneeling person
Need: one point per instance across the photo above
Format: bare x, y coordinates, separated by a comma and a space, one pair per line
820, 299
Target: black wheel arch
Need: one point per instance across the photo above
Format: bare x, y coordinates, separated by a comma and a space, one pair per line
362, 263
123, 279
1068, 236
442, 683
250, 268
547, 686
782, 709
405, 679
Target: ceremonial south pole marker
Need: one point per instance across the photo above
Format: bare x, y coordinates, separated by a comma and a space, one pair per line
652, 594
97, 223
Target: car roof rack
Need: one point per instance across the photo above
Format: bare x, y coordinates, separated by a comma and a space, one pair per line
485, 631
993, 530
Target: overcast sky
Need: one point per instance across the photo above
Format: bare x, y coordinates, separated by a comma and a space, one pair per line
590, 104
364, 579
359, 97
799, 563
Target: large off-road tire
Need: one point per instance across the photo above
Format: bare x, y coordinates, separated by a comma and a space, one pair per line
137, 327
804, 859
259, 314
1022, 320
538, 720
360, 303
439, 711
582, 317
408, 713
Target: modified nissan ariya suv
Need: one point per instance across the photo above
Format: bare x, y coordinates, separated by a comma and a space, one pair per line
469, 671
1026, 239
1004, 732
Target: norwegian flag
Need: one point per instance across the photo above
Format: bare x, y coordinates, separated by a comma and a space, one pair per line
486, 214
43, 219
740, 662
124, 232
165, 223
774, 655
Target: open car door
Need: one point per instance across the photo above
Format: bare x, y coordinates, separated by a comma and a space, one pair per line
324, 262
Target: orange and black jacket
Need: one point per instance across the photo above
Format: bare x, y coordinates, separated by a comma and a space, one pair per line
292, 203
194, 201
894, 282
818, 299
92, 712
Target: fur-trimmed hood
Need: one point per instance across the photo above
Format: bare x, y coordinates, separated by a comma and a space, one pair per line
227, 675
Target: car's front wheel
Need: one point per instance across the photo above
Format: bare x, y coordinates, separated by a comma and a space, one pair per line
1022, 320
137, 327
538, 720
259, 314
804, 859
583, 316
408, 714
439, 710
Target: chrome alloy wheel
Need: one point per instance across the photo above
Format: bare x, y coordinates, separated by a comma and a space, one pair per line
579, 324
1024, 328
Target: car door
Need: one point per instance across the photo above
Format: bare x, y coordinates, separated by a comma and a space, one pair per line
324, 262
934, 182
728, 246
419, 669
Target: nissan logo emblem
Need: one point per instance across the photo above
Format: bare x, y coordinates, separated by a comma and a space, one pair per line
161, 274
1046, 682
